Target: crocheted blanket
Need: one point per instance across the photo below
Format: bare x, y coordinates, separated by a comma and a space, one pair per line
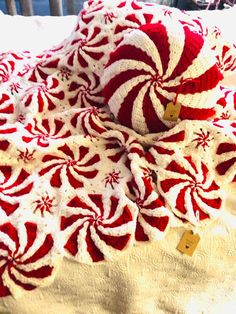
89, 164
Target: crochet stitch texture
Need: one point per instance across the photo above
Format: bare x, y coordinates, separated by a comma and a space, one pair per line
155, 65
74, 182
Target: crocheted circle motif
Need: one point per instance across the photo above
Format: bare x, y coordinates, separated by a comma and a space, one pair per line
190, 188
157, 64
28, 257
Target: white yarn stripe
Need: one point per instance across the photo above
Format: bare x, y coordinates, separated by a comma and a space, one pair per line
157, 106
5, 239
189, 208
118, 231
165, 93
123, 65
198, 100
140, 40
15, 290
176, 40
82, 254
23, 238
107, 250
118, 97
207, 209
138, 119
153, 233
39, 240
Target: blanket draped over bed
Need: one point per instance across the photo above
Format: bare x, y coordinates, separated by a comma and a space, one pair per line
86, 170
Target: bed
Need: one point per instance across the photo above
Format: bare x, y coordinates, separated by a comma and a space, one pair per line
147, 278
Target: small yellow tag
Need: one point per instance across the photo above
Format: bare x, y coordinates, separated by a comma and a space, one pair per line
172, 111
188, 242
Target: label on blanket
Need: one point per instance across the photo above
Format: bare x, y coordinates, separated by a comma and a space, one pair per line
172, 111
188, 242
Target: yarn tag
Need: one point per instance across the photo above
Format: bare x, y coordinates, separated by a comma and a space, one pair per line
172, 111
188, 242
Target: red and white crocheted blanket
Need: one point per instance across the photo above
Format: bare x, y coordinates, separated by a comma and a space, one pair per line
88, 164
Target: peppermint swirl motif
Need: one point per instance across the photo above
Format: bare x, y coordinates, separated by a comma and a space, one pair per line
44, 131
91, 120
27, 259
6, 108
120, 145
72, 165
86, 91
226, 104
225, 157
150, 67
43, 96
226, 59
188, 188
7, 67
93, 229
153, 217
42, 70
13, 185
88, 49
226, 161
